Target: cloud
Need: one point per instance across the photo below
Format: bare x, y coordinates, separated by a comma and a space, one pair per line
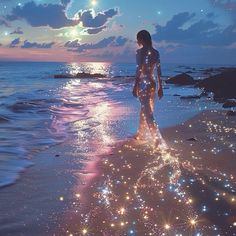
65, 2
202, 32
225, 4
89, 19
101, 44
18, 30
210, 15
110, 41
4, 22
119, 41
14, 43
28, 44
72, 44
95, 30
126, 54
52, 15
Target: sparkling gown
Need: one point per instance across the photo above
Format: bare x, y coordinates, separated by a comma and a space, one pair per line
147, 59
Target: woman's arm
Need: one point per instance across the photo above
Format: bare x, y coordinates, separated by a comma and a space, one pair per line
137, 79
160, 90
158, 66
138, 73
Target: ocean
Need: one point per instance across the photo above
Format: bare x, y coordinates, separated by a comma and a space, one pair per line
38, 111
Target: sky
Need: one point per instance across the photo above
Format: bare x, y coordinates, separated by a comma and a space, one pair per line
184, 31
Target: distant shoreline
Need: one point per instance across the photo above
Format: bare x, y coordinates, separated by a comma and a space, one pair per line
169, 63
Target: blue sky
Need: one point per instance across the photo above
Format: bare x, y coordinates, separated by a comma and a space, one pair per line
184, 31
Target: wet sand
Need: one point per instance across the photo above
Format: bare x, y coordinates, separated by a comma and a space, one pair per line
186, 189
35, 203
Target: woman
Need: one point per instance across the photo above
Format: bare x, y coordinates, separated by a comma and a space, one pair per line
145, 86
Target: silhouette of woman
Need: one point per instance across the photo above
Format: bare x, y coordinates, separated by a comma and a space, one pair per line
147, 58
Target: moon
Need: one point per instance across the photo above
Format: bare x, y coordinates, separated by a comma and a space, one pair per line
94, 2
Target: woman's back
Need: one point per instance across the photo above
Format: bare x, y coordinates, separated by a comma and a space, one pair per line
146, 59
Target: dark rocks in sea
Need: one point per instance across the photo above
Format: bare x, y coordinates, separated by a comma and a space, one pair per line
189, 72
231, 113
79, 76
192, 139
223, 85
208, 71
229, 103
190, 97
176, 95
181, 79
4, 119
123, 76
204, 94
19, 107
64, 76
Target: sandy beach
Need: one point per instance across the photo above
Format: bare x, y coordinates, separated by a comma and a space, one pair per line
186, 189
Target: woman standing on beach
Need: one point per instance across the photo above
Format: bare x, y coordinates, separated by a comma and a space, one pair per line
147, 58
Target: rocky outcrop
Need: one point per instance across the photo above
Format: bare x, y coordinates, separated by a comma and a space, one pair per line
231, 113
229, 103
190, 97
223, 85
181, 79
79, 76
4, 119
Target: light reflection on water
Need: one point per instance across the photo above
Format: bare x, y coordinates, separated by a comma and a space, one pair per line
88, 111
89, 67
169, 179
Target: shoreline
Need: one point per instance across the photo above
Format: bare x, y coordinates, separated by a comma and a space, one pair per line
49, 194
111, 193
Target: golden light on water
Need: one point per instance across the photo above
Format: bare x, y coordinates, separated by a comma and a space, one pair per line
167, 226
193, 222
89, 67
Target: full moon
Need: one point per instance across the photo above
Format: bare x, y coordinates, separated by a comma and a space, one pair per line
94, 2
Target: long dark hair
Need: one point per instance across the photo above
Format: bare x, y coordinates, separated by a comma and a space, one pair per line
145, 36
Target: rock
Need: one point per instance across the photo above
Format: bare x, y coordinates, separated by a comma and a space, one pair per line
204, 94
57, 155
176, 95
231, 113
229, 103
223, 85
181, 79
190, 97
209, 71
79, 76
4, 119
63, 76
25, 106
123, 76
189, 72
88, 75
191, 139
